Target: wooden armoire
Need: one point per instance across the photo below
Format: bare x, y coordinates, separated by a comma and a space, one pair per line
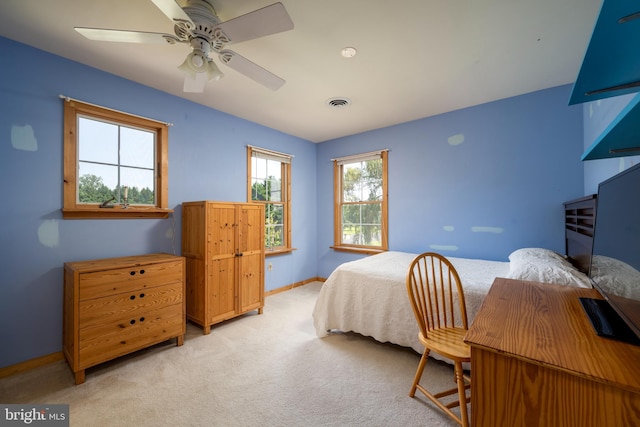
223, 243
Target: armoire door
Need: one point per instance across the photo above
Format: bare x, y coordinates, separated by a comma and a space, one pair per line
250, 256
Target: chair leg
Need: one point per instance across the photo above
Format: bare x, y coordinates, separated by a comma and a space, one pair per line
421, 365
462, 396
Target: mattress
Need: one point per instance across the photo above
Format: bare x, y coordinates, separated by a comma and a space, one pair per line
369, 296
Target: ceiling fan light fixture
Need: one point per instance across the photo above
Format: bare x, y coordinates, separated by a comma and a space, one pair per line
198, 69
194, 83
213, 72
195, 62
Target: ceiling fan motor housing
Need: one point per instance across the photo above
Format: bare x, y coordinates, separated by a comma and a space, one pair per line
205, 20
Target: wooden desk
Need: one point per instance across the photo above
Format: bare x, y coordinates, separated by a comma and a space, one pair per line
536, 361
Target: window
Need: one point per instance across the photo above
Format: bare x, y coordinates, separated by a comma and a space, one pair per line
269, 183
115, 164
360, 207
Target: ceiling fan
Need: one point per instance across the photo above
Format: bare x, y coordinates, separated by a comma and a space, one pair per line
198, 25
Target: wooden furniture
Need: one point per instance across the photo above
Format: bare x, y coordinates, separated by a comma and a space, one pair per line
437, 299
579, 222
536, 361
224, 247
119, 305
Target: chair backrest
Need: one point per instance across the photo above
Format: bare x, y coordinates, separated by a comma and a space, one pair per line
435, 292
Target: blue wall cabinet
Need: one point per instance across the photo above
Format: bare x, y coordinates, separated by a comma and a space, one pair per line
611, 65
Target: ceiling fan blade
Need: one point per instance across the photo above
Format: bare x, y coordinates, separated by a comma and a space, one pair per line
172, 10
251, 70
259, 23
125, 36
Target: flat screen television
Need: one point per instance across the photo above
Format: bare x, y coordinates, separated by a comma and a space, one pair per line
615, 260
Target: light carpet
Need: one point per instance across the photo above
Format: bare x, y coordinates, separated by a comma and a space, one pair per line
255, 370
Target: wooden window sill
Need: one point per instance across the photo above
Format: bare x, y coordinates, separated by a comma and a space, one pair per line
278, 251
367, 251
117, 212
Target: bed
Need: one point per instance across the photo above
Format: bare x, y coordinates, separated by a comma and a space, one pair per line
368, 296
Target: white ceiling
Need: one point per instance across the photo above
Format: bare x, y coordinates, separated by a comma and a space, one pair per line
416, 58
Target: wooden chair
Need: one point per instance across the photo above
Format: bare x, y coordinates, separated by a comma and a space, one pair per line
437, 298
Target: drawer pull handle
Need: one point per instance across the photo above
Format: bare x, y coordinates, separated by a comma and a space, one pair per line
141, 271
142, 319
132, 297
142, 295
133, 273
133, 321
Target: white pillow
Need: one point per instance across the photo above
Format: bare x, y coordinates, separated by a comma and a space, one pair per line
545, 266
616, 276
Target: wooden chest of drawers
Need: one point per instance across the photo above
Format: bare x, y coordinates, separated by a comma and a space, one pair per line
119, 305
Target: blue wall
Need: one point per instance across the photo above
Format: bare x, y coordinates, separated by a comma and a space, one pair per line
505, 166
207, 160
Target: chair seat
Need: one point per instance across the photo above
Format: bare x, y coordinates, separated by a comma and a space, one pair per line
448, 342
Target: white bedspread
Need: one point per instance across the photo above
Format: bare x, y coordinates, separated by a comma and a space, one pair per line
369, 296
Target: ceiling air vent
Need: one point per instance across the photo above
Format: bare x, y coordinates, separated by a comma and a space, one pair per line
338, 102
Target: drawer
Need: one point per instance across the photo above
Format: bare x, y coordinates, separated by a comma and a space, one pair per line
123, 307
107, 341
98, 284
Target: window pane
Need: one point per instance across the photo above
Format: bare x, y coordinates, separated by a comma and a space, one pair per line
371, 235
274, 187
137, 148
351, 234
351, 177
141, 185
258, 190
96, 183
368, 235
361, 224
108, 174
114, 156
266, 182
274, 214
362, 181
97, 141
274, 225
259, 167
372, 213
274, 236
274, 169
